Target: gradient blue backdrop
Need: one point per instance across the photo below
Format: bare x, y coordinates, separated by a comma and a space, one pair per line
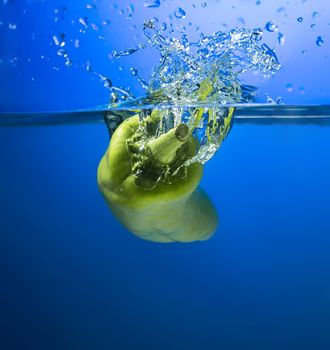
71, 277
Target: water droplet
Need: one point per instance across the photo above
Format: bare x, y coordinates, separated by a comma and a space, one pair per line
279, 100
94, 27
319, 41
12, 26
68, 62
315, 14
313, 26
76, 43
91, 6
257, 34
179, 13
271, 26
106, 22
204, 4
130, 10
289, 87
281, 9
107, 83
83, 21
56, 41
62, 52
281, 38
88, 67
154, 3
300, 19
163, 27
134, 71
241, 20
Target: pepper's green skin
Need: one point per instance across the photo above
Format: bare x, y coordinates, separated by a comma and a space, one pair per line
172, 211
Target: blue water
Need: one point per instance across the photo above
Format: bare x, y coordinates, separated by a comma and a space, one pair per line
72, 277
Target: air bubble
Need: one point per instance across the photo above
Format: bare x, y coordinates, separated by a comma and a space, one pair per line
300, 19
12, 26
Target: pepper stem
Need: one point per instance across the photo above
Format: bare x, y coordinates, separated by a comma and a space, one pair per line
164, 148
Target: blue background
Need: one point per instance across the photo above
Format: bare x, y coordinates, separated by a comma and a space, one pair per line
71, 277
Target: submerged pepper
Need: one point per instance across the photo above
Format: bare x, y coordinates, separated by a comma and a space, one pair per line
175, 210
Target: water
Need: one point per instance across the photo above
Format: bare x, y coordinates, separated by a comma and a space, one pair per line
75, 278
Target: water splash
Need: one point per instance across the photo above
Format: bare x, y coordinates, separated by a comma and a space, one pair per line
193, 85
207, 70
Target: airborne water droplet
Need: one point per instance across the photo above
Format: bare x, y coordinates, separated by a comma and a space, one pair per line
319, 41
271, 26
179, 13
315, 14
94, 27
281, 38
91, 6
204, 4
289, 87
134, 71
68, 62
56, 41
154, 3
88, 67
62, 52
300, 19
83, 21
